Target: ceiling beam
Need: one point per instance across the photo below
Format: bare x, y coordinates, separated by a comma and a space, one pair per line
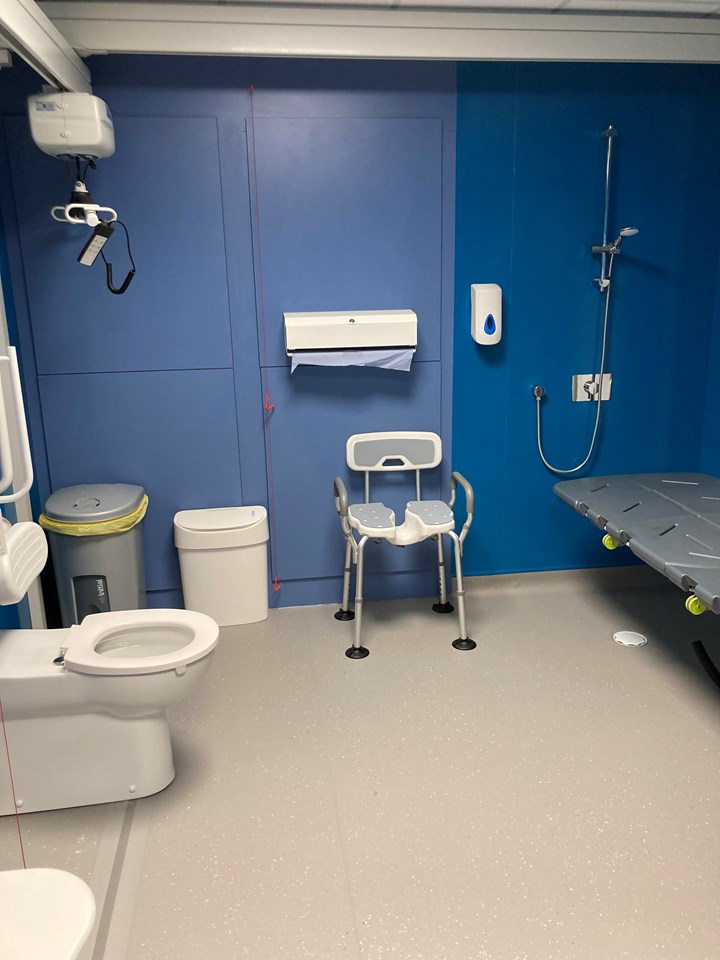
26, 30
245, 30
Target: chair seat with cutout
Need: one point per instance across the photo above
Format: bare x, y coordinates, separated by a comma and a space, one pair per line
423, 520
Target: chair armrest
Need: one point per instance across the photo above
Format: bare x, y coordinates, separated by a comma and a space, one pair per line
455, 479
341, 497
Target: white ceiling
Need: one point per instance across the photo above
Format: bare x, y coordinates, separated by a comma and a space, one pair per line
53, 36
680, 8
659, 31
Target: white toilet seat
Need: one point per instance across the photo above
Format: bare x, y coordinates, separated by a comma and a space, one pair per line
44, 914
105, 643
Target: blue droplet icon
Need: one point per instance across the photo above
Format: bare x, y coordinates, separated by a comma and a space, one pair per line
489, 324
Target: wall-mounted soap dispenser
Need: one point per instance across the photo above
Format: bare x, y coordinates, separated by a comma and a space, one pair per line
486, 312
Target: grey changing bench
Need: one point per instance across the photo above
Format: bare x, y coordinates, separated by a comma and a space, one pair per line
669, 520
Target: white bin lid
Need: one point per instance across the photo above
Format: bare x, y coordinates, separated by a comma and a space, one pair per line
44, 914
220, 527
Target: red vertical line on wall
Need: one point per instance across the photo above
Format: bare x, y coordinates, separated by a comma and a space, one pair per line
268, 406
12, 787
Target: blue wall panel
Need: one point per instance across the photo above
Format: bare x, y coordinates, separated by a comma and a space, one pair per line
710, 456
710, 459
372, 145
356, 185
164, 180
529, 206
173, 432
350, 218
317, 410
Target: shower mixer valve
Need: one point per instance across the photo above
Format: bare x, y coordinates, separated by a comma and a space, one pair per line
586, 386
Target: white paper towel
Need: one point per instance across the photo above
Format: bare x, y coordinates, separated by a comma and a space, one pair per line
387, 359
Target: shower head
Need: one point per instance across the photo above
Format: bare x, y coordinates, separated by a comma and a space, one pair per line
625, 232
614, 247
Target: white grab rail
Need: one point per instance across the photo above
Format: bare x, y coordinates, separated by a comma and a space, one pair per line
6, 461
26, 477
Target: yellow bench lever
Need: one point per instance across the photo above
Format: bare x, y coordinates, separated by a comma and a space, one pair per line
695, 606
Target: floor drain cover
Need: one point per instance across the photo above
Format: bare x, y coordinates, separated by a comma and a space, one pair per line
628, 638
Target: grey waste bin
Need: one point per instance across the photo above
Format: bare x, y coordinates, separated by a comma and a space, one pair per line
95, 535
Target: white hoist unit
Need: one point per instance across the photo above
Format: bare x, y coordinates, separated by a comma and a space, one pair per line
78, 127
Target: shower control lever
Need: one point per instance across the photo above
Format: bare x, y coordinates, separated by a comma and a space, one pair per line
586, 386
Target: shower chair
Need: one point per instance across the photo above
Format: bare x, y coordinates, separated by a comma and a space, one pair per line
424, 519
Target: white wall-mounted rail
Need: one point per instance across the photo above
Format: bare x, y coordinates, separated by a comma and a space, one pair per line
12, 411
26, 30
274, 30
23, 546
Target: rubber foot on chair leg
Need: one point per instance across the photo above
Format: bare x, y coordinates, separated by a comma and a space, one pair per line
446, 607
464, 644
357, 653
344, 614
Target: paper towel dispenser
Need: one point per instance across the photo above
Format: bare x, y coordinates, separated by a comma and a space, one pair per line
342, 330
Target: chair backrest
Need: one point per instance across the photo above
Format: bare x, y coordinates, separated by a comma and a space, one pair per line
400, 450
396, 450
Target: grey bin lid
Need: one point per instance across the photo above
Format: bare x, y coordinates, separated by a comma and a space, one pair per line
93, 502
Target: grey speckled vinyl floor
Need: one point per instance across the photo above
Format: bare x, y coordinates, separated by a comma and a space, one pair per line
549, 796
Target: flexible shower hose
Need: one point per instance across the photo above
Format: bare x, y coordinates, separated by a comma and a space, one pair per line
539, 396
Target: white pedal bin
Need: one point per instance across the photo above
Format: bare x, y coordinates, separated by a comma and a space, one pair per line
223, 562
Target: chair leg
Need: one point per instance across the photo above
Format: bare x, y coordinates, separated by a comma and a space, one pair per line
463, 642
345, 613
357, 651
443, 606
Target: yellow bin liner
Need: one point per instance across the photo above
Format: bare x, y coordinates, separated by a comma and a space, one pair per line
100, 528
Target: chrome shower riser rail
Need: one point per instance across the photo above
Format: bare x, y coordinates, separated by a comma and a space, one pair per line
610, 135
539, 393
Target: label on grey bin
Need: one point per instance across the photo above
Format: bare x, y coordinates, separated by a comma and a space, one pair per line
91, 596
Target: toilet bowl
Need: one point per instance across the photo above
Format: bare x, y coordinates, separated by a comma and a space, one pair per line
86, 707
44, 914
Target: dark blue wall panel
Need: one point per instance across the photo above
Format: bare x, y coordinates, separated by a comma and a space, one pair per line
710, 454
530, 186
350, 218
710, 458
174, 432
